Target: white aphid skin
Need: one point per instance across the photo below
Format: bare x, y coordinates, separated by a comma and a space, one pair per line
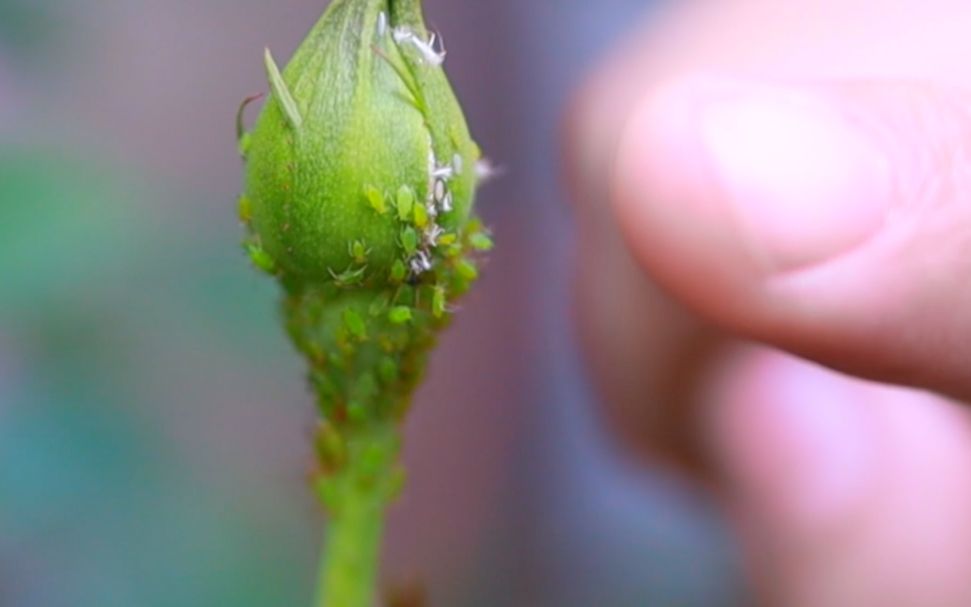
485, 170
443, 172
432, 166
427, 49
382, 24
432, 234
420, 263
432, 211
447, 203
440, 191
457, 163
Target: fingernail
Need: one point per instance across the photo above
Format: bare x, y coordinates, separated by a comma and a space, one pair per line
805, 182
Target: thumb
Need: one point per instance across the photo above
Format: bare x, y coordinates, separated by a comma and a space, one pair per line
831, 220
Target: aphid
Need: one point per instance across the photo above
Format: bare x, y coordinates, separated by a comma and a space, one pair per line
245, 209
409, 240
439, 304
467, 270
447, 203
400, 315
405, 200
481, 242
398, 271
387, 370
348, 277
330, 445
260, 258
375, 199
378, 306
457, 163
355, 324
421, 216
358, 251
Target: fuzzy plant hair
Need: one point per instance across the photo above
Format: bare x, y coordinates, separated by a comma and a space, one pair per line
359, 187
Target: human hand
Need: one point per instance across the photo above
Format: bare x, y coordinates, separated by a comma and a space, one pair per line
793, 180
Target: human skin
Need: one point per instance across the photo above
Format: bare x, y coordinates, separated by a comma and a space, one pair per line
773, 202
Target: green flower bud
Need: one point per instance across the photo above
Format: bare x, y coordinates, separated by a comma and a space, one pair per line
361, 139
360, 180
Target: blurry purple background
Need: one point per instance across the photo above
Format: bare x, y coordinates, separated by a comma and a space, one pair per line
154, 426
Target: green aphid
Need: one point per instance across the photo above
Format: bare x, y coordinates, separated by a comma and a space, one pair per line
400, 315
453, 250
405, 202
409, 241
245, 210
421, 216
447, 240
373, 460
379, 305
406, 296
355, 324
349, 277
330, 446
358, 251
481, 242
399, 271
260, 258
439, 302
375, 199
388, 370
357, 413
467, 270
366, 388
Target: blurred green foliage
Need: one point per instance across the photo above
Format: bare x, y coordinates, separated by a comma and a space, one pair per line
24, 24
92, 493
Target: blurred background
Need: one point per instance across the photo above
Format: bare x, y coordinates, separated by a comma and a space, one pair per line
154, 425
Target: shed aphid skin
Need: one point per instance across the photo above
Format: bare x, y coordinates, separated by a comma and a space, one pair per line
485, 171
382, 24
358, 200
443, 172
432, 234
421, 263
432, 51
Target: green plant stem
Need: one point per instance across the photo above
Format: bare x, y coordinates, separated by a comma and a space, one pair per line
356, 498
348, 569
